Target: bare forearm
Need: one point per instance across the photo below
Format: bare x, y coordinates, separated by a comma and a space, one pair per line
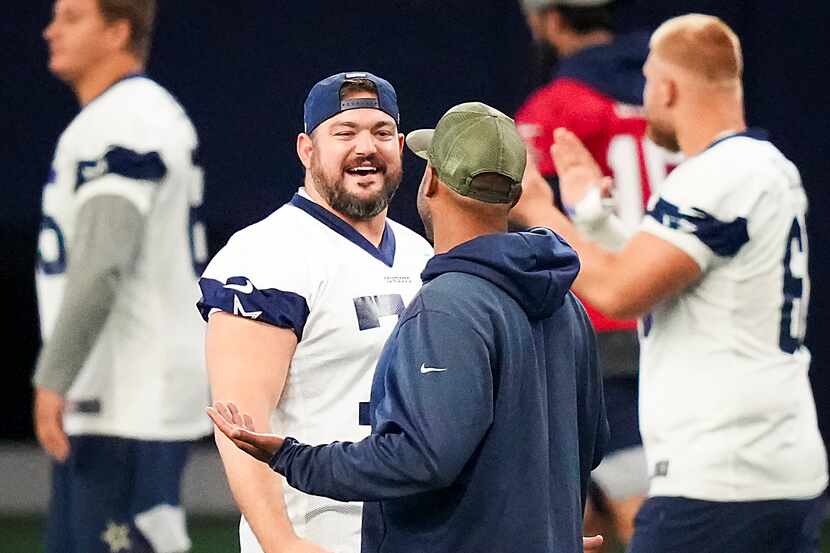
258, 493
248, 361
600, 281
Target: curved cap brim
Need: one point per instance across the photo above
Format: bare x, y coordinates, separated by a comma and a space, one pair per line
419, 142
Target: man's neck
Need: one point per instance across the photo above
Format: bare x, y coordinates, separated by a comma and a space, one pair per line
371, 229
93, 83
461, 228
705, 126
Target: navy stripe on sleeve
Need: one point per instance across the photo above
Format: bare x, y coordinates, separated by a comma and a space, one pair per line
723, 238
124, 162
240, 297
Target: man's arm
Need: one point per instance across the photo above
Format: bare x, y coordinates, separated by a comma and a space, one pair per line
248, 361
104, 248
628, 283
425, 430
622, 284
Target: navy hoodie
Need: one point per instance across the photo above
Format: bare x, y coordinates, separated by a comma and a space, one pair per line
614, 69
486, 408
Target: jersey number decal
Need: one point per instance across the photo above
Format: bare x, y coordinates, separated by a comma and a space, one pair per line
796, 291
370, 309
197, 235
51, 249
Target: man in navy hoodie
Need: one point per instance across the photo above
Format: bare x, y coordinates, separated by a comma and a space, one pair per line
487, 408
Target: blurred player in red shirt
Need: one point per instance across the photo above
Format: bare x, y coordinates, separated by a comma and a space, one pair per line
596, 93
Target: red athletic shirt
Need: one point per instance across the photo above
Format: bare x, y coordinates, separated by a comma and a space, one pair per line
614, 133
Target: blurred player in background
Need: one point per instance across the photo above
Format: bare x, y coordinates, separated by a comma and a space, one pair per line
486, 403
718, 270
120, 380
300, 304
597, 93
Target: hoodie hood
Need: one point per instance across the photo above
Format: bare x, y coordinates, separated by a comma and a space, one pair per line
536, 268
614, 69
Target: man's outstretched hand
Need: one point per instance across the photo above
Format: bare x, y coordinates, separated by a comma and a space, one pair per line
239, 428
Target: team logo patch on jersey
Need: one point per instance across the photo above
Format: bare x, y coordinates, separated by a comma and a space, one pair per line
370, 309
239, 296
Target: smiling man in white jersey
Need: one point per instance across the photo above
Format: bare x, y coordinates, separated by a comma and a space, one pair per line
300, 304
118, 396
718, 272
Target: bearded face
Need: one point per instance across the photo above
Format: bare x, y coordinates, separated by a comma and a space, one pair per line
355, 162
662, 134
360, 186
656, 101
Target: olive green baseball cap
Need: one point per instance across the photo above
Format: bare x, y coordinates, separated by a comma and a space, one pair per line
469, 140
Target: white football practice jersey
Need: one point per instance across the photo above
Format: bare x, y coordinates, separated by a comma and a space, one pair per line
305, 269
726, 408
145, 377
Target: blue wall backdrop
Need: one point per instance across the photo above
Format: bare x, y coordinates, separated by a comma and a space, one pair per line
242, 70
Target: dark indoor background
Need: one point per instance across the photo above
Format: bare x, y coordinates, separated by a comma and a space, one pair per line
242, 70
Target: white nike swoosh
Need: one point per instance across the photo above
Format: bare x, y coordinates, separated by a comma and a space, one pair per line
246, 289
425, 369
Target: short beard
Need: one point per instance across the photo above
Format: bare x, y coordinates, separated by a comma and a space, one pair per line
663, 137
342, 201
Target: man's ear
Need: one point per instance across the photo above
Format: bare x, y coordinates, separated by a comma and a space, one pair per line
119, 33
671, 93
552, 24
431, 182
518, 197
401, 141
305, 147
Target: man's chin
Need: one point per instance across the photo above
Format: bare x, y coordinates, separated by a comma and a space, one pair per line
664, 139
61, 71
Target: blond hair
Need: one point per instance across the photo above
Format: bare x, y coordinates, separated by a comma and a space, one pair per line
702, 44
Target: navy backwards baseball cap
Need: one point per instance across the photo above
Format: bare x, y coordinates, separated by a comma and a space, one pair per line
323, 101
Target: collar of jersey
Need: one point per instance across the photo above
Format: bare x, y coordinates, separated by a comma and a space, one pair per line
385, 253
752, 132
139, 75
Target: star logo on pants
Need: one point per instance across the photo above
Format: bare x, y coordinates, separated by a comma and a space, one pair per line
117, 537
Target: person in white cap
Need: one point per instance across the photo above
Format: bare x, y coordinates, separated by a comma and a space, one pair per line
596, 93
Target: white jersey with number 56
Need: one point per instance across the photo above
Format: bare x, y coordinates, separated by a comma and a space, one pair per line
145, 376
726, 408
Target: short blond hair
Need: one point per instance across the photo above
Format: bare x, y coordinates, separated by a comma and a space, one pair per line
703, 44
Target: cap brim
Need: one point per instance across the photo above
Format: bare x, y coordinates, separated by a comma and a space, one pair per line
419, 142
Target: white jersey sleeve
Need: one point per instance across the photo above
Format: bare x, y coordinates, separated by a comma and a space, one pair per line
698, 214
123, 152
249, 279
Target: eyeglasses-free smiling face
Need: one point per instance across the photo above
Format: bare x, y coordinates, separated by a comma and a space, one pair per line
355, 161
